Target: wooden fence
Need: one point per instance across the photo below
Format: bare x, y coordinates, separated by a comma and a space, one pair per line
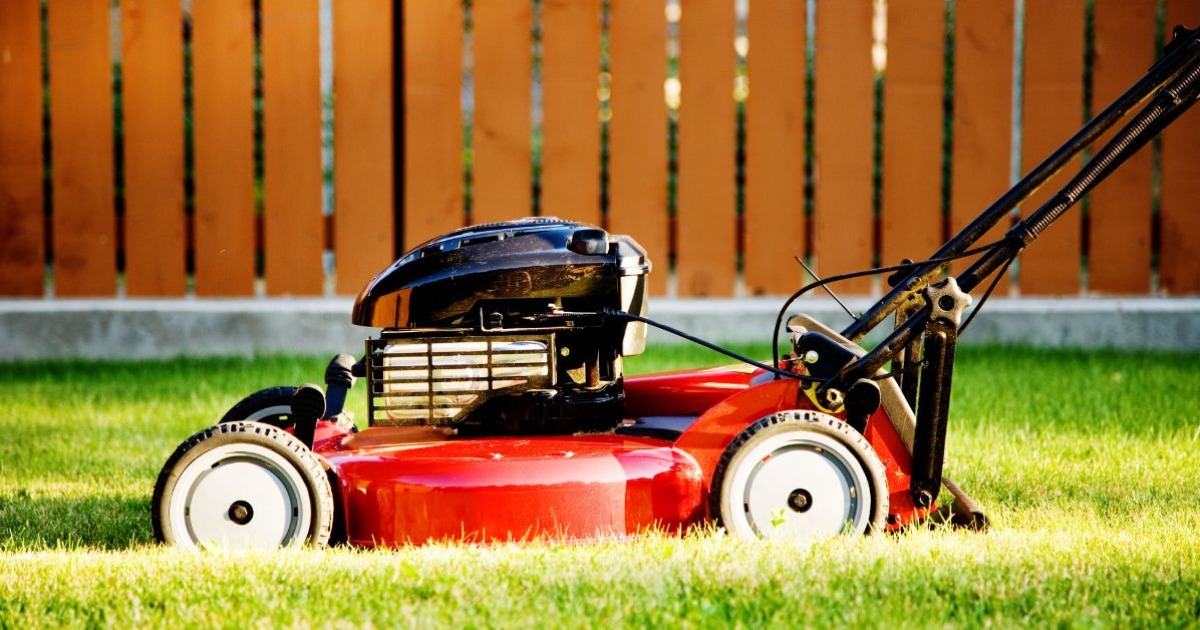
165, 148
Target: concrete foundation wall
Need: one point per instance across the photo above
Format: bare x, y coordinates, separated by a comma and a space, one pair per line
143, 329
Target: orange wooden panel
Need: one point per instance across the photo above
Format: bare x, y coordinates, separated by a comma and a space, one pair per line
706, 218
911, 204
293, 223
1053, 110
1179, 213
22, 253
774, 215
82, 149
152, 92
223, 88
571, 109
982, 150
1119, 259
364, 202
843, 218
433, 137
503, 53
638, 130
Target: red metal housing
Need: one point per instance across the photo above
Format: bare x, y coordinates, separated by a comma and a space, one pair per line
410, 485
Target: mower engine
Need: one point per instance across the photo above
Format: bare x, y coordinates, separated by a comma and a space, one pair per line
501, 329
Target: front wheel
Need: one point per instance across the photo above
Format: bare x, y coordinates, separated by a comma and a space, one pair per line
242, 485
800, 474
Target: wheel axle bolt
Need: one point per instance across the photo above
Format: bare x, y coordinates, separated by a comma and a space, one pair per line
241, 512
799, 500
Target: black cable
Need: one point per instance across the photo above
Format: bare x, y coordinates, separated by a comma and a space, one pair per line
986, 294
714, 347
863, 273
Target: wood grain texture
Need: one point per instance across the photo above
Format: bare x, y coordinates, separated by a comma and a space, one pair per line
503, 53
775, 221
707, 248
911, 204
364, 200
152, 81
81, 127
571, 109
1053, 110
1120, 221
293, 223
433, 127
1179, 258
22, 249
638, 131
982, 142
843, 217
223, 88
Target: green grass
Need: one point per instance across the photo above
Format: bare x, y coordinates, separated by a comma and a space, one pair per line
1086, 463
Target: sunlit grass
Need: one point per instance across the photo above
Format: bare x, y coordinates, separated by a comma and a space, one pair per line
1086, 463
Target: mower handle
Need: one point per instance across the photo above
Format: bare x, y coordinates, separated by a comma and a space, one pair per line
1182, 52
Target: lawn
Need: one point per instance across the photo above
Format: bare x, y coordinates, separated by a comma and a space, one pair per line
1085, 461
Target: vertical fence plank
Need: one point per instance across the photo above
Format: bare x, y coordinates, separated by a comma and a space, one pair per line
82, 149
571, 109
152, 93
22, 255
1120, 221
707, 246
775, 230
293, 224
1053, 110
223, 87
982, 150
364, 204
842, 144
638, 130
911, 204
1179, 214
503, 53
433, 138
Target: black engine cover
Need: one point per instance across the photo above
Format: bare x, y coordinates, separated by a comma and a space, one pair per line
508, 268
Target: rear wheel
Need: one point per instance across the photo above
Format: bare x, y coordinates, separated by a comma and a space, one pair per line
242, 485
800, 474
271, 406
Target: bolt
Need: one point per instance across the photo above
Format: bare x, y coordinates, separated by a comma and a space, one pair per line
240, 512
832, 399
799, 500
811, 357
922, 499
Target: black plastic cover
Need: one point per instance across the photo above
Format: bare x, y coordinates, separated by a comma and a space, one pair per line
526, 263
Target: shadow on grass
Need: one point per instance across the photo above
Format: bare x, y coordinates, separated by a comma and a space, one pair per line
31, 523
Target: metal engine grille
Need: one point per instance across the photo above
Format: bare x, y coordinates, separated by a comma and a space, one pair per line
439, 380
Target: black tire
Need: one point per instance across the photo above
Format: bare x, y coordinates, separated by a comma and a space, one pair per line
226, 477
815, 460
271, 406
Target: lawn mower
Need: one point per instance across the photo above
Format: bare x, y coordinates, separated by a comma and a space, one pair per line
498, 409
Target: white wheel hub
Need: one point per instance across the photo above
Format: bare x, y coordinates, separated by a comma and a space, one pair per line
799, 484
240, 496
